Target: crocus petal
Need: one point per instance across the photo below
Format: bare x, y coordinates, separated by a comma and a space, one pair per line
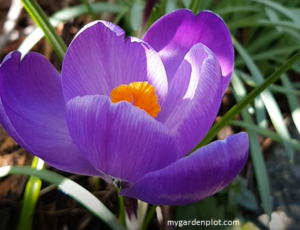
119, 139
5, 121
100, 59
193, 99
193, 178
173, 35
33, 111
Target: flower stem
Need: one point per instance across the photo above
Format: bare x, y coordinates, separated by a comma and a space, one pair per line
149, 217
246, 100
122, 218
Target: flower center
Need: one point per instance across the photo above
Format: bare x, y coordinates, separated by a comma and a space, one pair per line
140, 94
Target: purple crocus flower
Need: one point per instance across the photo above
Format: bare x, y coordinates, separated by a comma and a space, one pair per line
130, 110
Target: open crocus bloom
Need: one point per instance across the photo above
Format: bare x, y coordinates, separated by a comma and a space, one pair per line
130, 110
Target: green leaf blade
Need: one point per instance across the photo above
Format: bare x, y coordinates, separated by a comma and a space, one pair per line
71, 189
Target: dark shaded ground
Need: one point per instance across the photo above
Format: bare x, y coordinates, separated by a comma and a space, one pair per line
285, 181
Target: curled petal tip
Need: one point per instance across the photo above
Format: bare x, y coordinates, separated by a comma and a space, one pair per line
196, 177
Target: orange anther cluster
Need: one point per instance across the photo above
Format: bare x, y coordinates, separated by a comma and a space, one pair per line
139, 94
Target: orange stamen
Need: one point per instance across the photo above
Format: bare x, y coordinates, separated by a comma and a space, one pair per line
140, 94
